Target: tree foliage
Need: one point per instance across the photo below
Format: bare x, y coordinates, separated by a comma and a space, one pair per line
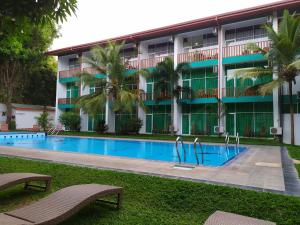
107, 60
283, 59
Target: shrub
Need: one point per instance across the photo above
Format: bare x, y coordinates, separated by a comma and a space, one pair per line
130, 126
101, 127
43, 120
71, 120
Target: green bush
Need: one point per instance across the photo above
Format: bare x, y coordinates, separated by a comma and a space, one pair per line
101, 127
71, 120
43, 120
130, 126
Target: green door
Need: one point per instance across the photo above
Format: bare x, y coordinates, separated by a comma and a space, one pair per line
230, 123
149, 123
185, 84
149, 91
185, 124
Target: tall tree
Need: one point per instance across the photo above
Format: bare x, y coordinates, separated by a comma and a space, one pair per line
107, 60
283, 58
167, 76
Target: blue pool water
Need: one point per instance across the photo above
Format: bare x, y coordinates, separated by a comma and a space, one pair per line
215, 155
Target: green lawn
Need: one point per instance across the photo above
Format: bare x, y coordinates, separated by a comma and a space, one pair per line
151, 200
294, 152
212, 139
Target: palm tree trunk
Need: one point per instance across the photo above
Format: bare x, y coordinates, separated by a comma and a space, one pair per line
291, 112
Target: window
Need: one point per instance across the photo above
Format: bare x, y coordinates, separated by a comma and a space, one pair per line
245, 33
74, 63
161, 48
200, 41
129, 53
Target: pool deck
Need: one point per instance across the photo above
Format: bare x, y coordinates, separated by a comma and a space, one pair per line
258, 168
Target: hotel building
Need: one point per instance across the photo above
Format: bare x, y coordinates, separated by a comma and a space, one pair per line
214, 47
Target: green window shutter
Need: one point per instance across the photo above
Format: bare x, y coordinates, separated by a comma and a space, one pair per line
148, 123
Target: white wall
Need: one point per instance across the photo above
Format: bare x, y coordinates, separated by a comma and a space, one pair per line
27, 118
287, 129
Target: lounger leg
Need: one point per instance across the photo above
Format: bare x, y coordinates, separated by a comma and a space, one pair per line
119, 200
26, 185
48, 185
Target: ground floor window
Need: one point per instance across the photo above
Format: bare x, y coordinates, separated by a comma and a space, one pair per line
95, 121
158, 119
249, 119
199, 119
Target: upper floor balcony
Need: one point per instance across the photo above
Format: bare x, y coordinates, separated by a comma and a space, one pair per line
243, 94
163, 98
153, 61
67, 103
198, 55
70, 75
235, 53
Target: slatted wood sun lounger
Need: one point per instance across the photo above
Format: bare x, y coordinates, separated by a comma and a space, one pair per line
224, 218
60, 205
10, 179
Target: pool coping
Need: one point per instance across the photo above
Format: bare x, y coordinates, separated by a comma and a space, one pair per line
228, 175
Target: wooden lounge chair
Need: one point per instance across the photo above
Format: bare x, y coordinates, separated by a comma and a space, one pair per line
225, 218
60, 205
10, 179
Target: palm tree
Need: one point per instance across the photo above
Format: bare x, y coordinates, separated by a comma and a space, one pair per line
107, 60
283, 59
166, 77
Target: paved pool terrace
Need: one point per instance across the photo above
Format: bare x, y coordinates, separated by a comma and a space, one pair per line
259, 168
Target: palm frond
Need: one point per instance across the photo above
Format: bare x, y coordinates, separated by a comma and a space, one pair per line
253, 72
268, 88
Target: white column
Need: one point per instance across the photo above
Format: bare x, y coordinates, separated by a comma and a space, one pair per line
276, 111
142, 53
109, 116
221, 74
177, 115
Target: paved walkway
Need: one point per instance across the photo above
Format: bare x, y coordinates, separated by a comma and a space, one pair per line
258, 168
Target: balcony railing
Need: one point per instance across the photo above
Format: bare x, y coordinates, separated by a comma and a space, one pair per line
131, 64
152, 62
201, 93
198, 55
91, 70
67, 101
239, 92
70, 73
150, 96
238, 50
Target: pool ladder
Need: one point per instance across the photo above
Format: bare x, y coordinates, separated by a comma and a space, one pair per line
237, 140
54, 131
196, 153
179, 139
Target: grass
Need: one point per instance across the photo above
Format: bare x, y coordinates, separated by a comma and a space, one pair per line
212, 139
294, 152
150, 200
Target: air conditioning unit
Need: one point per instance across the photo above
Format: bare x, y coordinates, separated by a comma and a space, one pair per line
218, 129
276, 130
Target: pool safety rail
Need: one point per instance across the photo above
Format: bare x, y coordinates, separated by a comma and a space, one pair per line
226, 139
21, 135
179, 139
197, 140
54, 130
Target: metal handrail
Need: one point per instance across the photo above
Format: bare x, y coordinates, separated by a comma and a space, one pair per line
195, 150
226, 139
184, 151
237, 140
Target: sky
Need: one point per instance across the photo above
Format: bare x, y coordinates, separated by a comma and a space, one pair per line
101, 19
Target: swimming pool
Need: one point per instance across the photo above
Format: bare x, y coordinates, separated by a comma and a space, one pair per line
215, 155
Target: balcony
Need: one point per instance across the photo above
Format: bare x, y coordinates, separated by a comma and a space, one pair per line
131, 64
67, 103
163, 99
196, 56
231, 52
209, 95
152, 62
245, 94
69, 75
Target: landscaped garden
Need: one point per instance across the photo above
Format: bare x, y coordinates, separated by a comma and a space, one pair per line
150, 200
